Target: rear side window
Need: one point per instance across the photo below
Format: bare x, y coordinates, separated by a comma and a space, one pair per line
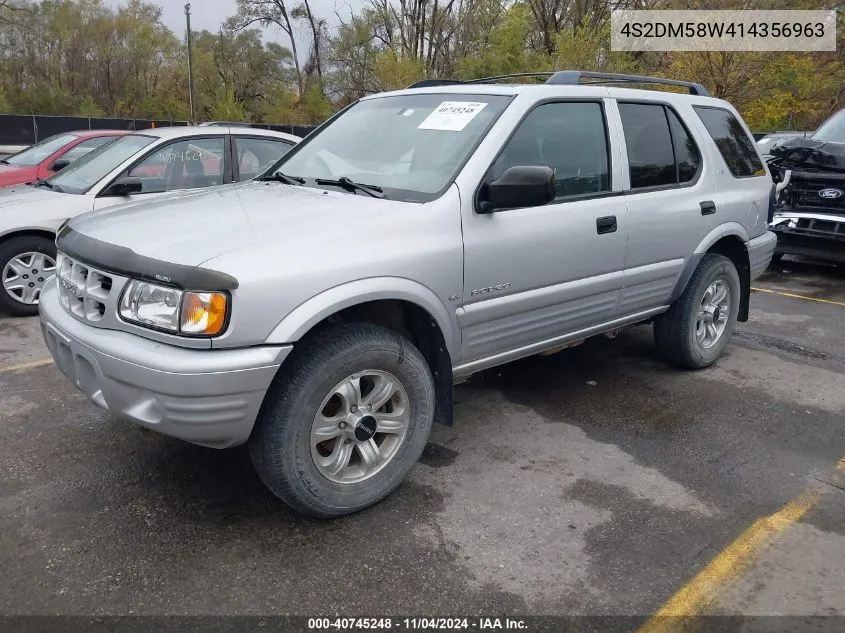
651, 160
687, 158
733, 142
660, 150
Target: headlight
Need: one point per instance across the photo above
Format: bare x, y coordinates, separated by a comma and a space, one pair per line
173, 310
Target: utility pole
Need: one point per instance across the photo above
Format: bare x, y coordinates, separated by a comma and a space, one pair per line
190, 61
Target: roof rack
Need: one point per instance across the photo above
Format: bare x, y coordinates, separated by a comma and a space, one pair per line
572, 78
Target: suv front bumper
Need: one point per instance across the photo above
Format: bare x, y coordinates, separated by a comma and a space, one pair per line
209, 397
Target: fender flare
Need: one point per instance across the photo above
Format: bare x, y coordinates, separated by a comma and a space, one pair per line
723, 230
309, 313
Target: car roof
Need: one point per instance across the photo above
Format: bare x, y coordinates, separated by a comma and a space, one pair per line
182, 131
545, 90
95, 133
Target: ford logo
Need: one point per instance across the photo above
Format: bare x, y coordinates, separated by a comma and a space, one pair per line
830, 194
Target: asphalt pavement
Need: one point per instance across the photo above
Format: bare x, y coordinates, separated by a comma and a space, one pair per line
596, 481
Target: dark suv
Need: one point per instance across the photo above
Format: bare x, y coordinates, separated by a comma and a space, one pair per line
809, 215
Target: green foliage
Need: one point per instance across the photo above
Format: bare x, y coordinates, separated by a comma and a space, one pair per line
226, 107
88, 107
94, 58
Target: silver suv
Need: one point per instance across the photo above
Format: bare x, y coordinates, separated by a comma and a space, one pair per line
322, 312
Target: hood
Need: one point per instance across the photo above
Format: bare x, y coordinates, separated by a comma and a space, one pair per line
192, 227
809, 155
16, 174
22, 206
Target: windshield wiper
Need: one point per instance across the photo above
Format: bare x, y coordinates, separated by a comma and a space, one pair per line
288, 180
43, 183
5, 162
350, 185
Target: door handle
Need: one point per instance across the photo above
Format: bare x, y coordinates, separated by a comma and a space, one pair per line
606, 224
708, 207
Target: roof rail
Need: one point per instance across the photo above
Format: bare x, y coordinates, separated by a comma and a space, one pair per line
428, 83
573, 77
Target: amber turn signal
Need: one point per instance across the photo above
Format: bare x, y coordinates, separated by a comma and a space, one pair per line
203, 313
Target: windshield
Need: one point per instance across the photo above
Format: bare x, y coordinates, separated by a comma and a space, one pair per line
86, 172
41, 151
411, 145
833, 130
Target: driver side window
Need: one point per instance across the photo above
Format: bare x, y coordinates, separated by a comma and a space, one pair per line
570, 138
187, 164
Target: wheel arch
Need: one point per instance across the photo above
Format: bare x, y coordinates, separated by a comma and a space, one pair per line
728, 240
23, 232
399, 304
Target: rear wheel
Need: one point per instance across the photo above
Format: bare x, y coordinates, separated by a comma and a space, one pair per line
695, 331
26, 263
345, 420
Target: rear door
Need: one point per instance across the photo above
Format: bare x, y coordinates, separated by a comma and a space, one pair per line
670, 202
254, 154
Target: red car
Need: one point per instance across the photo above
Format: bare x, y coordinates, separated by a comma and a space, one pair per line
52, 154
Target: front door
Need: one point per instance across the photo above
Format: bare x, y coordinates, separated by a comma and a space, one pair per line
534, 274
191, 163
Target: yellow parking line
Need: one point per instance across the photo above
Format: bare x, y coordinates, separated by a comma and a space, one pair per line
794, 296
29, 365
705, 587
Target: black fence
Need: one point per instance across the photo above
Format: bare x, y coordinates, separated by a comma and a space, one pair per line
22, 129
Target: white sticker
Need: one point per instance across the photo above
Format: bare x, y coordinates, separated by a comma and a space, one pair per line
452, 115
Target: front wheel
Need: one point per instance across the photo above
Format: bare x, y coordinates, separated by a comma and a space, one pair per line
26, 263
695, 331
345, 421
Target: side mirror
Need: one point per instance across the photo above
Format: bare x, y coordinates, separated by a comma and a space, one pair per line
124, 186
59, 164
519, 186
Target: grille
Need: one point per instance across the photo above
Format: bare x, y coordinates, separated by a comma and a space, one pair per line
83, 291
805, 194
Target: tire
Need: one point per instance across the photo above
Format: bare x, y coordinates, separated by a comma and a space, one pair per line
676, 331
13, 298
282, 446
776, 257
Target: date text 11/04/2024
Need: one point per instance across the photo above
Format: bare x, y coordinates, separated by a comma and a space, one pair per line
417, 624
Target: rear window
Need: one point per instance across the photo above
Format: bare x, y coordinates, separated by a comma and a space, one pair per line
734, 143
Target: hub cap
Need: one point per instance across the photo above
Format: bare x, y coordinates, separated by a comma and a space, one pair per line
24, 276
360, 426
713, 314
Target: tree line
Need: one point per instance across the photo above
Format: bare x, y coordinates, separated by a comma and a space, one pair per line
82, 57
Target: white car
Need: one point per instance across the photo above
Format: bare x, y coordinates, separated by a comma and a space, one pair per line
134, 167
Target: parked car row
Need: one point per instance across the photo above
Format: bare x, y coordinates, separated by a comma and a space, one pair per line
321, 310
118, 168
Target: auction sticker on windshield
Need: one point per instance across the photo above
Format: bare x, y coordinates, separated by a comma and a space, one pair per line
452, 115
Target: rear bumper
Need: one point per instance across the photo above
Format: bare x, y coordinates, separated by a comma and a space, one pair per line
208, 397
760, 251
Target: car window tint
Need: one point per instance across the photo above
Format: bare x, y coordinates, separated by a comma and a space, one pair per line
736, 147
188, 164
257, 154
79, 150
687, 157
651, 158
568, 137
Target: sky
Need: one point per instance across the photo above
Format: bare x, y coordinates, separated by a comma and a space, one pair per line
208, 14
